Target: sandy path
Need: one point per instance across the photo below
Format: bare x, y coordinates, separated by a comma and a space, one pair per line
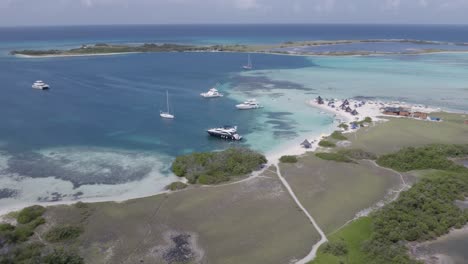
323, 238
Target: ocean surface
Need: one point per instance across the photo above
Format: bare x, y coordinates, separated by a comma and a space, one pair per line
97, 133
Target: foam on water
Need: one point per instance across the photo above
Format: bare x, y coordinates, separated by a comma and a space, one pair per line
68, 174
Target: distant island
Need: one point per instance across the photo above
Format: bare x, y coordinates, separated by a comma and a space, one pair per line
111, 49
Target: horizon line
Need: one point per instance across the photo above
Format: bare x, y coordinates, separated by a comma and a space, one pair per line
237, 24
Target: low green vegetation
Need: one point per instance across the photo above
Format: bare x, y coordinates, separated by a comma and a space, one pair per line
217, 167
345, 246
338, 136
344, 126
326, 144
28, 219
60, 256
28, 214
288, 159
16, 245
335, 156
358, 154
429, 157
336, 248
361, 123
176, 186
425, 211
32, 253
346, 155
25, 254
63, 233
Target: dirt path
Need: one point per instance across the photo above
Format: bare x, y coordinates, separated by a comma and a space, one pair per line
323, 238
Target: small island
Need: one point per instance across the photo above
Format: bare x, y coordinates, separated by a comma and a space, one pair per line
286, 48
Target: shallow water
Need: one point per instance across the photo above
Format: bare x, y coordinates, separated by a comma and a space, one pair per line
379, 47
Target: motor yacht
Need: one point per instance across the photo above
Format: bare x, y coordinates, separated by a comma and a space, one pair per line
212, 93
249, 104
225, 132
40, 85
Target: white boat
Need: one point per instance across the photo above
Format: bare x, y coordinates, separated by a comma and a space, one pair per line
166, 114
40, 85
249, 104
225, 132
249, 64
212, 93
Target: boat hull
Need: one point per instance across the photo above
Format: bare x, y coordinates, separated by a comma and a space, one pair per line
166, 116
211, 96
242, 107
235, 137
40, 87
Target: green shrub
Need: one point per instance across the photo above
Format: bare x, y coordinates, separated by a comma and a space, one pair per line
176, 186
336, 248
367, 120
288, 159
6, 227
28, 214
344, 126
217, 167
358, 154
338, 136
427, 210
62, 257
24, 231
27, 253
63, 233
81, 205
326, 144
428, 157
339, 157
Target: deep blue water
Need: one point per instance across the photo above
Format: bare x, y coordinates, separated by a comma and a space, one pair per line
114, 101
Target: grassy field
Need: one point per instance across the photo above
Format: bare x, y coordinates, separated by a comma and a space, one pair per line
250, 222
391, 136
353, 235
333, 192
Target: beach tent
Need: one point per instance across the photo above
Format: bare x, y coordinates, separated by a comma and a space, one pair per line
306, 144
319, 100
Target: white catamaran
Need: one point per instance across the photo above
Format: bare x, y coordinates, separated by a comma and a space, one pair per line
249, 64
166, 114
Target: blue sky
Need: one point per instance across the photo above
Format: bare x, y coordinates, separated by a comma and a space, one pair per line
76, 12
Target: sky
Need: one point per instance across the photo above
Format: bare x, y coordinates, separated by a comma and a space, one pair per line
94, 12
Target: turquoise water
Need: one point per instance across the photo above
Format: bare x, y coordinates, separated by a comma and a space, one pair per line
439, 80
97, 133
378, 47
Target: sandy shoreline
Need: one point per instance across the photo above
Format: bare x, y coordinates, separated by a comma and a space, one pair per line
299, 54
71, 55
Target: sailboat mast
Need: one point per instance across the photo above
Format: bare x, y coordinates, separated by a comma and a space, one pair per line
167, 100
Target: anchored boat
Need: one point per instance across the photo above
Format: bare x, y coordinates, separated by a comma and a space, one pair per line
225, 132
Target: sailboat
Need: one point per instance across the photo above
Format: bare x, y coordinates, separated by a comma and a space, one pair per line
166, 114
249, 64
